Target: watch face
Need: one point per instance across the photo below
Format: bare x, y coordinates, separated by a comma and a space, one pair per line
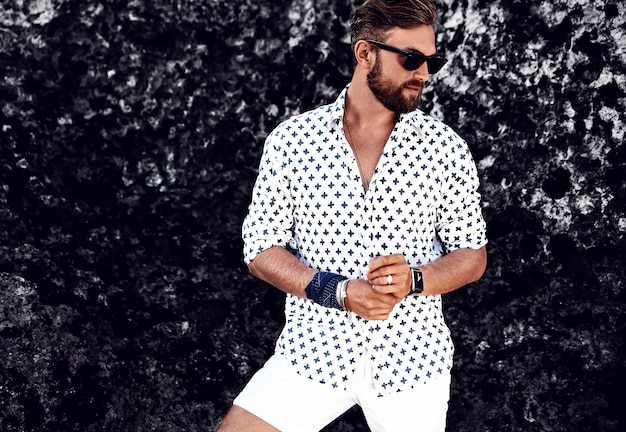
418, 281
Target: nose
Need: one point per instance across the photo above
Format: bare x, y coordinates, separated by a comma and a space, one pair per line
421, 73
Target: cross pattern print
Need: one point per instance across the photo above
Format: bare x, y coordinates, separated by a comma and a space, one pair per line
422, 202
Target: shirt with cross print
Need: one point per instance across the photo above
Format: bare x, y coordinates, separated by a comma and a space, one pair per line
422, 202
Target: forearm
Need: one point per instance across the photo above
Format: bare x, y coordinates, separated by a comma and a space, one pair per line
453, 270
282, 269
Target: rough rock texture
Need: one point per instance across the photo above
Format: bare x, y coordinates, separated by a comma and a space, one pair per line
129, 136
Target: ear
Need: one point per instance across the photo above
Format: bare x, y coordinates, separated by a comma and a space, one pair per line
365, 56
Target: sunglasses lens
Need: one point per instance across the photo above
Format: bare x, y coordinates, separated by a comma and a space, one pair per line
413, 62
435, 64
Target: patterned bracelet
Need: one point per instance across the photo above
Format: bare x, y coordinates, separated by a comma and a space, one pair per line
323, 289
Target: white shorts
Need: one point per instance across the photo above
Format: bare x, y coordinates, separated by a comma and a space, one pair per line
293, 403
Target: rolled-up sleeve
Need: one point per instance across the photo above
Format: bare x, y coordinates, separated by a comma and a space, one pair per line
269, 221
460, 223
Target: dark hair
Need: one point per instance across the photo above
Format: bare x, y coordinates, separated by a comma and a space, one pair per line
374, 18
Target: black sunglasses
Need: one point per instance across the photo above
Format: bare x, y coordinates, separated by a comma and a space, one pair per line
414, 60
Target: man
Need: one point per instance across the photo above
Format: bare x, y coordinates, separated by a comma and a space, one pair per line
364, 212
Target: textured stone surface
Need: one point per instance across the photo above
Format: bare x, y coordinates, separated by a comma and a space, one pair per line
129, 137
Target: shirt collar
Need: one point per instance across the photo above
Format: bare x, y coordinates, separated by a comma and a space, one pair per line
338, 107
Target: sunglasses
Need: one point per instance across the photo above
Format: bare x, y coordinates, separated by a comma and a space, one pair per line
414, 60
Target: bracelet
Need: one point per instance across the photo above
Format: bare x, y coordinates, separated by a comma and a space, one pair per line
342, 294
323, 289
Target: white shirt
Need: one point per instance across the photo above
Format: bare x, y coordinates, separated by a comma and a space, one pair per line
422, 202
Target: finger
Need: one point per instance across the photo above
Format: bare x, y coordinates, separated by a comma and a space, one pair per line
395, 270
380, 317
385, 260
380, 283
398, 289
390, 279
381, 312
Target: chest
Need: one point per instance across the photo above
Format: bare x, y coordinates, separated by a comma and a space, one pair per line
405, 174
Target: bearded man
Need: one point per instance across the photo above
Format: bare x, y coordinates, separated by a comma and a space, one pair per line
365, 211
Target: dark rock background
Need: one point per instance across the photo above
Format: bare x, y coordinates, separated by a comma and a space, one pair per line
130, 132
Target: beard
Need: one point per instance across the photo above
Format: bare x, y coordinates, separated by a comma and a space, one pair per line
390, 94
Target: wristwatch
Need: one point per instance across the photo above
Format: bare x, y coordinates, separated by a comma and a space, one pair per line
417, 282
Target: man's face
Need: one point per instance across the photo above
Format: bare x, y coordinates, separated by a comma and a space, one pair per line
396, 88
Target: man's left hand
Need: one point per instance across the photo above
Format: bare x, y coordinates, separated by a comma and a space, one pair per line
389, 274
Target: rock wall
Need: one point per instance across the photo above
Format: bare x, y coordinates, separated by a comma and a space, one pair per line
129, 137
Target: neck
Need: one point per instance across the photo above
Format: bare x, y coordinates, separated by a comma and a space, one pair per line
363, 109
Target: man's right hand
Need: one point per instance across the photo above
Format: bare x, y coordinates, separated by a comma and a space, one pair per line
368, 303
